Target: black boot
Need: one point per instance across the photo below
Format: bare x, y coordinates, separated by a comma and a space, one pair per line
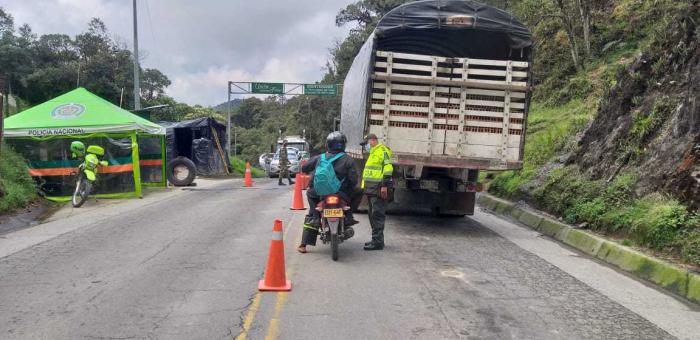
349, 220
280, 182
374, 246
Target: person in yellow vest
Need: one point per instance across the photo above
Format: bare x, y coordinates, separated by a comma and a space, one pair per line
377, 182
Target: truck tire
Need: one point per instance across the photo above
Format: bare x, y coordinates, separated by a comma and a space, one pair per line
181, 171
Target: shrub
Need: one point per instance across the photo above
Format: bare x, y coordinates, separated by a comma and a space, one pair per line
690, 246
238, 165
18, 187
662, 224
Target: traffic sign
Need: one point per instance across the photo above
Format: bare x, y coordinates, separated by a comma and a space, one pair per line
267, 88
321, 89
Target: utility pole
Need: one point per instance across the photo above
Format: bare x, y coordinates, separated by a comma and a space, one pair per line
137, 86
228, 121
2, 110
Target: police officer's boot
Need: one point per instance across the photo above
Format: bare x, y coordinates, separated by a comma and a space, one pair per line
280, 182
373, 246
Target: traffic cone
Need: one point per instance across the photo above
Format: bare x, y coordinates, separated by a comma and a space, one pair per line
248, 176
304, 178
307, 181
275, 275
297, 198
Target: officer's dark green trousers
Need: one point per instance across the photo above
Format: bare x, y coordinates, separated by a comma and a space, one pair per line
377, 216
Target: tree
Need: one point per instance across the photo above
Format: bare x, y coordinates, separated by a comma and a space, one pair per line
199, 111
568, 23
584, 7
153, 84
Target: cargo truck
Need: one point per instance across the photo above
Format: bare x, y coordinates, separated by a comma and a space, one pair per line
447, 86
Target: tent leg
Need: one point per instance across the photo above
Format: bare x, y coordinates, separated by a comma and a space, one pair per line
164, 178
136, 161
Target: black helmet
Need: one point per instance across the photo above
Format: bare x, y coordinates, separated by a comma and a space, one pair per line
335, 142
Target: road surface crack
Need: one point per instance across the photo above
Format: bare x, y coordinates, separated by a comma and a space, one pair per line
112, 337
439, 306
164, 248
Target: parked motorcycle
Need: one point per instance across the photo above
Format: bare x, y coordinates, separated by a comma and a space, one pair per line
333, 230
87, 170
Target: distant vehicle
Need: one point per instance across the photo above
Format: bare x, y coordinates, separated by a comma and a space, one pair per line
265, 160
295, 157
298, 142
295, 142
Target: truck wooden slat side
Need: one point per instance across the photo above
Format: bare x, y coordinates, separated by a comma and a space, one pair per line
446, 85
474, 119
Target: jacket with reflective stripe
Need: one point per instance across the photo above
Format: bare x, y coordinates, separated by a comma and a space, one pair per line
378, 168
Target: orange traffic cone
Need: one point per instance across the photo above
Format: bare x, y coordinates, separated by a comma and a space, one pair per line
248, 176
275, 275
298, 198
307, 181
304, 178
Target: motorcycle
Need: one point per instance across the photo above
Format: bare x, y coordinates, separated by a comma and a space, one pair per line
87, 170
333, 230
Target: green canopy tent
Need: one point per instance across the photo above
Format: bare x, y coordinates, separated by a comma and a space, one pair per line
134, 147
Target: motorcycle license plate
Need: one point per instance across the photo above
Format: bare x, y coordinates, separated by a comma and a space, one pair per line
332, 212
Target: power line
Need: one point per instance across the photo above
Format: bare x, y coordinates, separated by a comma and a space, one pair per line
153, 36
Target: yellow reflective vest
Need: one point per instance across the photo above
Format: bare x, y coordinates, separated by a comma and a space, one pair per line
378, 166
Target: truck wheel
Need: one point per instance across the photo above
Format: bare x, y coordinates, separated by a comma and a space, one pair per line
181, 171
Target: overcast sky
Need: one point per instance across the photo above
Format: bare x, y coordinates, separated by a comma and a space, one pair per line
200, 45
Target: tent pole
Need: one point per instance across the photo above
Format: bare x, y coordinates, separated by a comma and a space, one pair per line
228, 122
136, 161
164, 177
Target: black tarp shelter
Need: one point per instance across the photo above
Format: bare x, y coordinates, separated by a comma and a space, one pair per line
201, 140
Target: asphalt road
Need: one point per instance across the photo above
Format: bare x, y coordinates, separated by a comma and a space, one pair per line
184, 264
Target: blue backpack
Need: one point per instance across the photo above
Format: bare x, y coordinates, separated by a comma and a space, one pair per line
325, 180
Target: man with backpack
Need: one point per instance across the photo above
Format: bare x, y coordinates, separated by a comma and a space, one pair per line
323, 182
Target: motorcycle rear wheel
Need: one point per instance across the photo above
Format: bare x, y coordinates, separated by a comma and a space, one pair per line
334, 246
82, 190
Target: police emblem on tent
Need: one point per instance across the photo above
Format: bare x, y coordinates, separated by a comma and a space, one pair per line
67, 111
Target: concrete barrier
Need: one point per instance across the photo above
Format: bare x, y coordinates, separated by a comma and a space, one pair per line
668, 276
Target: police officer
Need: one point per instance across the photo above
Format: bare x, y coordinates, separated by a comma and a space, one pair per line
284, 164
377, 181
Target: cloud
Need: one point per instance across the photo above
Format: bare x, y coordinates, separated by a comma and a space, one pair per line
201, 45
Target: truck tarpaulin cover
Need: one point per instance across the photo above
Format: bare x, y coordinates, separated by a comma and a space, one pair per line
447, 28
196, 140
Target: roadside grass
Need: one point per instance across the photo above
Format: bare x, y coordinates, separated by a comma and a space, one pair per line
549, 132
654, 221
657, 222
18, 187
239, 168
